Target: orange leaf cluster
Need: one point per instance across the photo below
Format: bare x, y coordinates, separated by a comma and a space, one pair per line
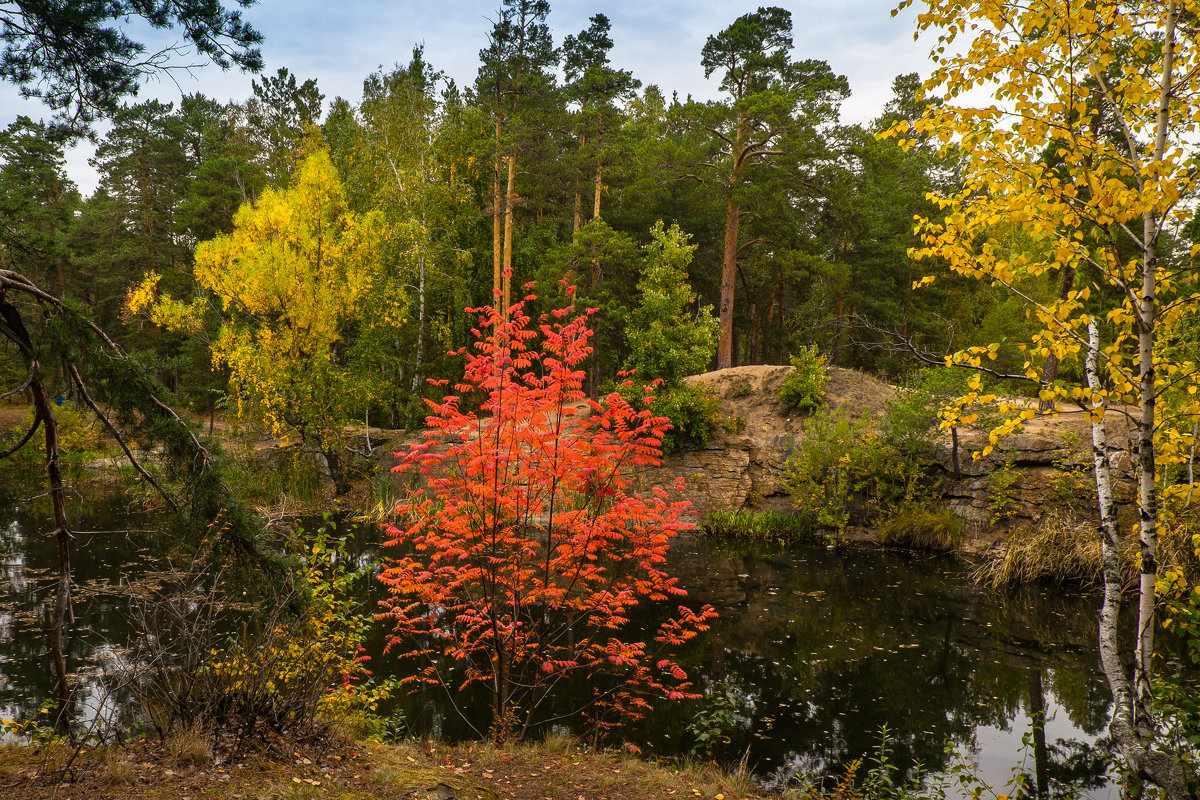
521, 557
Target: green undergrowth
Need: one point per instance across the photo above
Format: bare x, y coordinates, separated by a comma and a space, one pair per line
768, 526
921, 528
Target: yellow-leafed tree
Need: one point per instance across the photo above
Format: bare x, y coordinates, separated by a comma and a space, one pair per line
296, 275
1087, 143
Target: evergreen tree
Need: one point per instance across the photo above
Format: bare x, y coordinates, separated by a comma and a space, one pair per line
774, 115
595, 88
516, 85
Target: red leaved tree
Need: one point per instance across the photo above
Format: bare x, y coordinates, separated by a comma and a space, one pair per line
525, 550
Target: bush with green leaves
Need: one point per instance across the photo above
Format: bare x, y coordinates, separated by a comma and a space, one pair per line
911, 422
693, 414
804, 388
844, 471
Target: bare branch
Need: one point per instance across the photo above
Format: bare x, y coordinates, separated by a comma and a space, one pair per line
112, 429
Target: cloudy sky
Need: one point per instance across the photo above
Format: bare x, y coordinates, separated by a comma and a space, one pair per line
658, 40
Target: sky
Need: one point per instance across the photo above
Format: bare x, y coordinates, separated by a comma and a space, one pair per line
341, 43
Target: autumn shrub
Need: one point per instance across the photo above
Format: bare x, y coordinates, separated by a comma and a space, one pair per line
289, 669
304, 666
804, 387
517, 564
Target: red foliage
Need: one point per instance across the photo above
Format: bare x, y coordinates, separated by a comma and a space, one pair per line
527, 549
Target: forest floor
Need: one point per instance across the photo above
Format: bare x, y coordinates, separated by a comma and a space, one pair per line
358, 771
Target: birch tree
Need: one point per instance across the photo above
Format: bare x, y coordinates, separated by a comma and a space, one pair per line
1108, 208
411, 186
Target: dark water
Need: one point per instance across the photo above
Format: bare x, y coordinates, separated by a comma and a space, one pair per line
113, 541
815, 652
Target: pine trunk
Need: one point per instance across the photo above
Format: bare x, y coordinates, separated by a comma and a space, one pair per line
577, 220
510, 198
733, 216
733, 219
599, 185
497, 211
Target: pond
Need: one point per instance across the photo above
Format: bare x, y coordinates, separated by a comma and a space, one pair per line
815, 653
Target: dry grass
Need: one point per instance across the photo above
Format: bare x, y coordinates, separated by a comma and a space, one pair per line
357, 771
529, 771
190, 748
1065, 550
1062, 550
113, 768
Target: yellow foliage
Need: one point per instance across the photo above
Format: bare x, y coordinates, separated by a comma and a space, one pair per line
1048, 189
298, 268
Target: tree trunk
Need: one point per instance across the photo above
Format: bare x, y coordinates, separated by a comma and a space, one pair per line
599, 185
1050, 370
577, 220
334, 464
733, 217
510, 198
62, 539
420, 349
497, 211
954, 453
1128, 734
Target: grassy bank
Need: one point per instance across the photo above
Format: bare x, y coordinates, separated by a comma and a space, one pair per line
184, 768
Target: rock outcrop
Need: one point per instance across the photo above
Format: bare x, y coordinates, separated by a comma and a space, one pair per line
742, 467
1043, 470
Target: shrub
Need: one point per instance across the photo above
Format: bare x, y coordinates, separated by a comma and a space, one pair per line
804, 388
293, 666
844, 471
920, 528
301, 669
524, 552
693, 413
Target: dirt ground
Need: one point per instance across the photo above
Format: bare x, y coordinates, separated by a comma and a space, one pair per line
357, 771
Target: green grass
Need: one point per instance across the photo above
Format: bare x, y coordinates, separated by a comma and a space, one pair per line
918, 528
760, 525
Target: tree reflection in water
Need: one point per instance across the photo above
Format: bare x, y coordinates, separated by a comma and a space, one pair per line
815, 651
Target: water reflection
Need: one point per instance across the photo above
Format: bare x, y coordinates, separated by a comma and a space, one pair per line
111, 543
830, 647
814, 653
